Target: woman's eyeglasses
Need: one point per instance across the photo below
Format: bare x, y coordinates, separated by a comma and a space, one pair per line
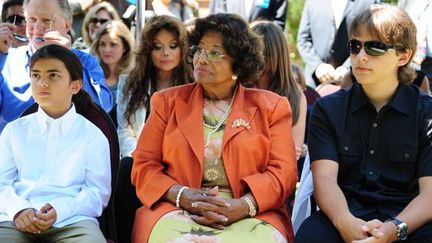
16, 19
372, 48
212, 55
97, 20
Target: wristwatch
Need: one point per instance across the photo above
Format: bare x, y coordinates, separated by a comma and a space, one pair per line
401, 228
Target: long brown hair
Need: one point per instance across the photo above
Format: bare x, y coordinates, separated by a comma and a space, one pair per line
141, 83
276, 55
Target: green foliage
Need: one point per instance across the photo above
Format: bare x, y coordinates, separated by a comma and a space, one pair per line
292, 26
394, 2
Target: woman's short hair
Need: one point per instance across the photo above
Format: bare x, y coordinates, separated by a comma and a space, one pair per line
91, 13
241, 44
119, 29
391, 25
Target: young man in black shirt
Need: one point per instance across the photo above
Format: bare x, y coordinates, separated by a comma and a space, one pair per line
371, 145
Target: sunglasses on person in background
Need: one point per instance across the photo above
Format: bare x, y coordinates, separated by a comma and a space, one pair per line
212, 55
16, 19
372, 48
97, 20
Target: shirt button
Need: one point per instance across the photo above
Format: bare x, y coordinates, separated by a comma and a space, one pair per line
374, 125
371, 151
406, 155
371, 173
346, 148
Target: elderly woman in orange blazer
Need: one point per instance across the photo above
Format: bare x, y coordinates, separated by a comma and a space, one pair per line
215, 161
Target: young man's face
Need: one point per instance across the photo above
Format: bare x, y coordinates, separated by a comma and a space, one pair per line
372, 64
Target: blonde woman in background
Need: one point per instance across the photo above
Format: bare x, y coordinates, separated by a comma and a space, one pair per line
114, 45
94, 19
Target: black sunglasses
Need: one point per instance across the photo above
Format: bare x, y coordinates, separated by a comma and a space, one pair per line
16, 19
97, 20
372, 48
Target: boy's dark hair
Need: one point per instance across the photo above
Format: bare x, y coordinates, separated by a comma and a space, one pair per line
72, 63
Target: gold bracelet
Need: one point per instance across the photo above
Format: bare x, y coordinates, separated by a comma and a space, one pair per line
252, 208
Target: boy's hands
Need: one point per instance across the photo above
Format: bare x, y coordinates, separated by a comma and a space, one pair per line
32, 221
24, 221
45, 217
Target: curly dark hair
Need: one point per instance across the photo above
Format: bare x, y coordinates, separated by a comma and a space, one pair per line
141, 83
241, 44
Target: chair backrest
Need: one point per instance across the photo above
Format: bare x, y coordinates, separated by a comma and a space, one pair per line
102, 120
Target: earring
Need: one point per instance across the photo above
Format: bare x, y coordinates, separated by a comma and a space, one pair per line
234, 77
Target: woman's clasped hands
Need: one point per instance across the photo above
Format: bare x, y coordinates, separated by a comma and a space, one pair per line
207, 208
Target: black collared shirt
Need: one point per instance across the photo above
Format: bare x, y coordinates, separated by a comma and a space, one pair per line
381, 154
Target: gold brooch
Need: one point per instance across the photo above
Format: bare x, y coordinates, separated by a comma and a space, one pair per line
240, 123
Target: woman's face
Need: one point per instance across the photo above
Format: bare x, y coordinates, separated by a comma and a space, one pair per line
101, 17
110, 49
216, 69
52, 87
166, 53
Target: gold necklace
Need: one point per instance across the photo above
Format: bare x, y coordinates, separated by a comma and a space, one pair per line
221, 121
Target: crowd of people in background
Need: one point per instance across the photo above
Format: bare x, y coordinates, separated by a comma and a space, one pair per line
213, 123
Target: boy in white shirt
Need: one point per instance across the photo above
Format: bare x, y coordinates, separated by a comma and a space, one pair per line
55, 176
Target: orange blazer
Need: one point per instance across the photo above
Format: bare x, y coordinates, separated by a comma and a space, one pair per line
260, 159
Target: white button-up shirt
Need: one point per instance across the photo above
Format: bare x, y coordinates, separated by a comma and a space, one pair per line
64, 162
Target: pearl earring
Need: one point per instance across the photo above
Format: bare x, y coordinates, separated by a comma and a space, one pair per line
234, 77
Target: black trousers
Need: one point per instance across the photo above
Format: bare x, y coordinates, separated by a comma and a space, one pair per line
125, 202
318, 228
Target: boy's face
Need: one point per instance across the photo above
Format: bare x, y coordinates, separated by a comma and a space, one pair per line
370, 69
52, 87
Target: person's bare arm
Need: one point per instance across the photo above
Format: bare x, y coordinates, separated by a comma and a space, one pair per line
299, 129
332, 202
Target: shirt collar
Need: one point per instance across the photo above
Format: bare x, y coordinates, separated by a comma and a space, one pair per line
65, 122
358, 97
400, 100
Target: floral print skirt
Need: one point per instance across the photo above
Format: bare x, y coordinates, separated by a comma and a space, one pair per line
177, 227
